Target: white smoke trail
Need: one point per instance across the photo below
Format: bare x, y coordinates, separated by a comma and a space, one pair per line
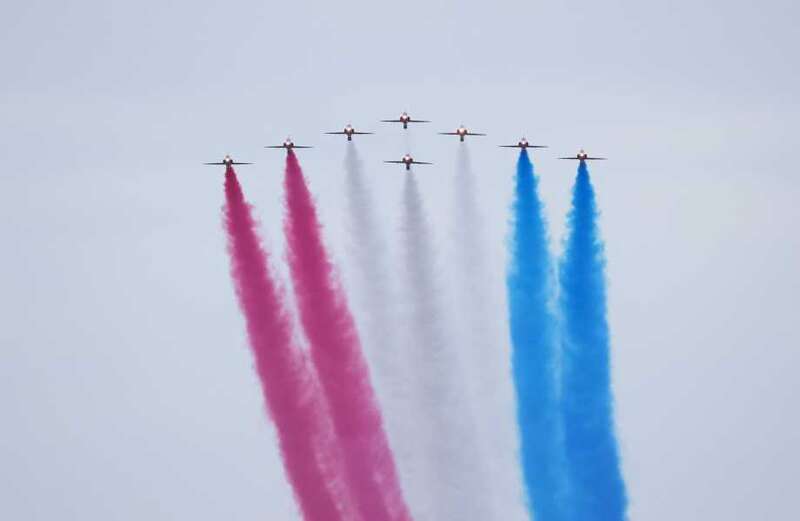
444, 427
373, 295
370, 275
484, 340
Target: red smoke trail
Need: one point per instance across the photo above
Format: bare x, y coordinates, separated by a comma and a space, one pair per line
293, 399
336, 351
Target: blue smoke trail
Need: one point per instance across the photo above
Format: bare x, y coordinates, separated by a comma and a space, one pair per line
534, 349
597, 489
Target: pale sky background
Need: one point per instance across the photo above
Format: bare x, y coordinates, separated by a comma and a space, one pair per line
126, 388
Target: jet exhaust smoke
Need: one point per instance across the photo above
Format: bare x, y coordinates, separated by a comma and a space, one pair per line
484, 345
534, 349
294, 401
597, 488
452, 478
337, 356
373, 293
371, 279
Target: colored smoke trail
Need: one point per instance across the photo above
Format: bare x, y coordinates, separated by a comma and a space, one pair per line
291, 393
534, 349
597, 489
454, 479
336, 352
484, 342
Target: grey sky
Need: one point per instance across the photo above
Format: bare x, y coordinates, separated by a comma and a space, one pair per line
126, 387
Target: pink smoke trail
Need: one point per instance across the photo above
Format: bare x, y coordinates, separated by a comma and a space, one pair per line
293, 398
336, 352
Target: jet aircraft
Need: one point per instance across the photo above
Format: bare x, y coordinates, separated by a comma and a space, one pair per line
288, 144
405, 119
408, 161
582, 156
523, 144
461, 132
349, 131
227, 161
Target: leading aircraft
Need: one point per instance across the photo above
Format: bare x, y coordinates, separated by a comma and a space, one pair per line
405, 119
408, 161
523, 144
227, 161
582, 156
288, 144
349, 131
461, 132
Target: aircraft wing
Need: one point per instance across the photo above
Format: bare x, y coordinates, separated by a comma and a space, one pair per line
361, 133
475, 134
391, 121
595, 158
448, 133
231, 163
418, 121
339, 133
396, 162
421, 163
220, 163
274, 146
302, 146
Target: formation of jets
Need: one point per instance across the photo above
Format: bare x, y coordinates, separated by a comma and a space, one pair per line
462, 132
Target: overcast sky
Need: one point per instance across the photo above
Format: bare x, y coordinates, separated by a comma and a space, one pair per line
126, 386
